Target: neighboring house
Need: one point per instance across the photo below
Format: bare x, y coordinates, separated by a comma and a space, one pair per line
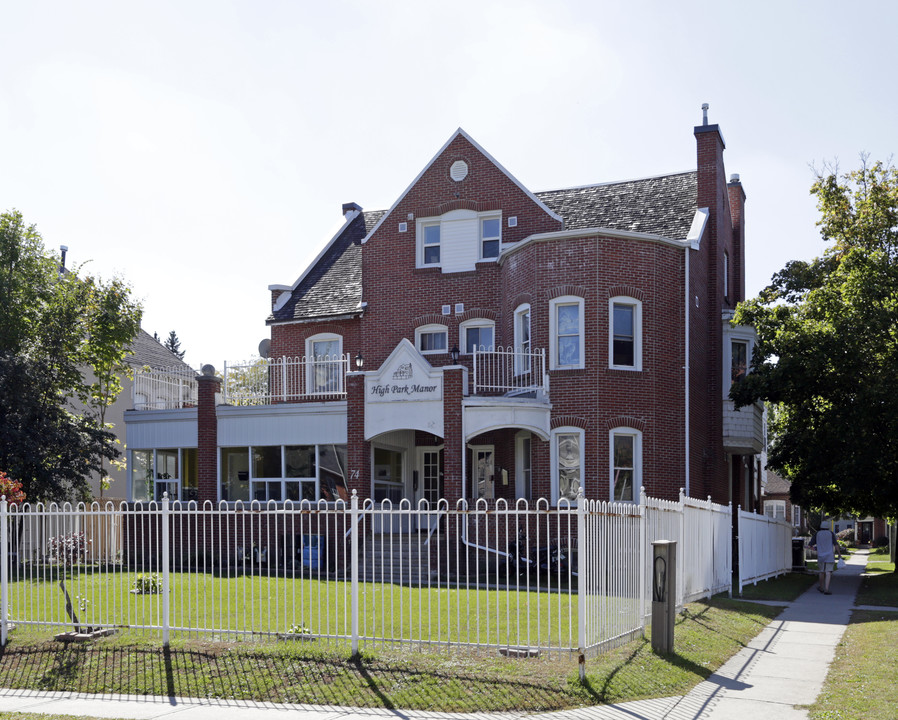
778, 504
146, 353
480, 340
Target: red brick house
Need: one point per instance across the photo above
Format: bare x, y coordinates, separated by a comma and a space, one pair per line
481, 340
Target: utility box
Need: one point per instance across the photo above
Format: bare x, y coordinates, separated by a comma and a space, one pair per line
798, 562
664, 595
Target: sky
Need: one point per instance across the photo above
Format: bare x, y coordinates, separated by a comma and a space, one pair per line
202, 150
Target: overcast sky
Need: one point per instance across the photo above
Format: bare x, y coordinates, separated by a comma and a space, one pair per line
202, 150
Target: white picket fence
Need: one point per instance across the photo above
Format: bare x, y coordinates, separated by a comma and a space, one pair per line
514, 577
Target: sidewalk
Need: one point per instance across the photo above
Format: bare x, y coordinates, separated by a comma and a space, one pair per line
785, 665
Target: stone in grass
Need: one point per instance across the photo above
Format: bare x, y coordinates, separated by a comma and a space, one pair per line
297, 632
84, 635
519, 652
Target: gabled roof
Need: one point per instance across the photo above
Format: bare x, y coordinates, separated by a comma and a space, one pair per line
777, 485
483, 152
146, 350
663, 205
332, 286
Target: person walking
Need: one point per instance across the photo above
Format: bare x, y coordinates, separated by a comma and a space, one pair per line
827, 547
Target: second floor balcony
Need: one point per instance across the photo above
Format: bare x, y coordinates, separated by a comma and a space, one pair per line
499, 372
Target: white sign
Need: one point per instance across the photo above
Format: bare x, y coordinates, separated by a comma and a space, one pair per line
403, 381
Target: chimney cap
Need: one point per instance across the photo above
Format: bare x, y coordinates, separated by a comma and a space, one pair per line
705, 113
351, 207
734, 178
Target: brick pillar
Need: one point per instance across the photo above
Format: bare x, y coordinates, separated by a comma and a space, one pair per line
207, 435
358, 451
454, 378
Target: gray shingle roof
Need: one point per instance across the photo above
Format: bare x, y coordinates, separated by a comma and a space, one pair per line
777, 485
146, 350
334, 285
662, 205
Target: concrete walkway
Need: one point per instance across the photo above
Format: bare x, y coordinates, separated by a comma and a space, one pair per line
784, 666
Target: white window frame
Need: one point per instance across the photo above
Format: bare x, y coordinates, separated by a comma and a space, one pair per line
554, 304
177, 482
637, 332
726, 275
775, 509
475, 323
480, 220
523, 483
522, 350
422, 224
637, 461
432, 329
312, 387
556, 435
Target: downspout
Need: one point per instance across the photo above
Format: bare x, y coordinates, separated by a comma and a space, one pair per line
686, 369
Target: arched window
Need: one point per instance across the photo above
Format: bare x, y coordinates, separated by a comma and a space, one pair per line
324, 358
566, 333
625, 464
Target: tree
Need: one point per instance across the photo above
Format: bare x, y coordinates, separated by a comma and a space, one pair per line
827, 351
174, 345
63, 341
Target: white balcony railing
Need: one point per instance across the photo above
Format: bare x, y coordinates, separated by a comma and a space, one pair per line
286, 379
165, 388
503, 371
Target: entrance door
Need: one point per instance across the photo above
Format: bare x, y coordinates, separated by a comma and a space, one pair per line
388, 485
428, 484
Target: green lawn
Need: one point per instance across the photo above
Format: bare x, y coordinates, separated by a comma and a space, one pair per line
879, 586
785, 588
237, 607
707, 634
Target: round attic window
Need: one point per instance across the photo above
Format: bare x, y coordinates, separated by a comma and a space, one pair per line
459, 170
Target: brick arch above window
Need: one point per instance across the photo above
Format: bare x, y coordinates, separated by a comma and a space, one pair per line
457, 204
576, 421
626, 421
430, 319
524, 298
562, 290
627, 291
477, 313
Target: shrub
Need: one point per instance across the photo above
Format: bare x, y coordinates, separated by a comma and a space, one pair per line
147, 584
881, 542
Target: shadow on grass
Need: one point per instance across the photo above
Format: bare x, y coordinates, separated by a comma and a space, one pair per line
239, 672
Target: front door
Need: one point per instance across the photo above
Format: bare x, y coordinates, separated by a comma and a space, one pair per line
428, 483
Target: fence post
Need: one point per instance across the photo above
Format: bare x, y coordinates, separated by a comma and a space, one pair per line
4, 571
730, 511
643, 549
712, 572
582, 591
681, 553
738, 549
354, 568
165, 570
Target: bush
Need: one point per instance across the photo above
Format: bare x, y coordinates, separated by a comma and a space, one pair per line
881, 542
147, 584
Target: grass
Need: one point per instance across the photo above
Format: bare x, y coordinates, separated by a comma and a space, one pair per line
785, 588
707, 634
861, 681
879, 586
270, 605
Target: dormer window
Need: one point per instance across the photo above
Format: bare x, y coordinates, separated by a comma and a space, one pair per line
458, 239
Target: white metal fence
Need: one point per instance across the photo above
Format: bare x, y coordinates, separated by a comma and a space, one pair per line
507, 370
520, 578
285, 379
164, 388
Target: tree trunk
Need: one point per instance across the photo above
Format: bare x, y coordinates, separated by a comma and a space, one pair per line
69, 608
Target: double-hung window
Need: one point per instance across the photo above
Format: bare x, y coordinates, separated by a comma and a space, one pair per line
477, 335
738, 360
430, 245
522, 343
490, 237
431, 339
325, 364
626, 462
566, 333
625, 336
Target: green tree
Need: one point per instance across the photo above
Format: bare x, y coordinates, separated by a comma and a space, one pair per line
827, 351
174, 345
63, 341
